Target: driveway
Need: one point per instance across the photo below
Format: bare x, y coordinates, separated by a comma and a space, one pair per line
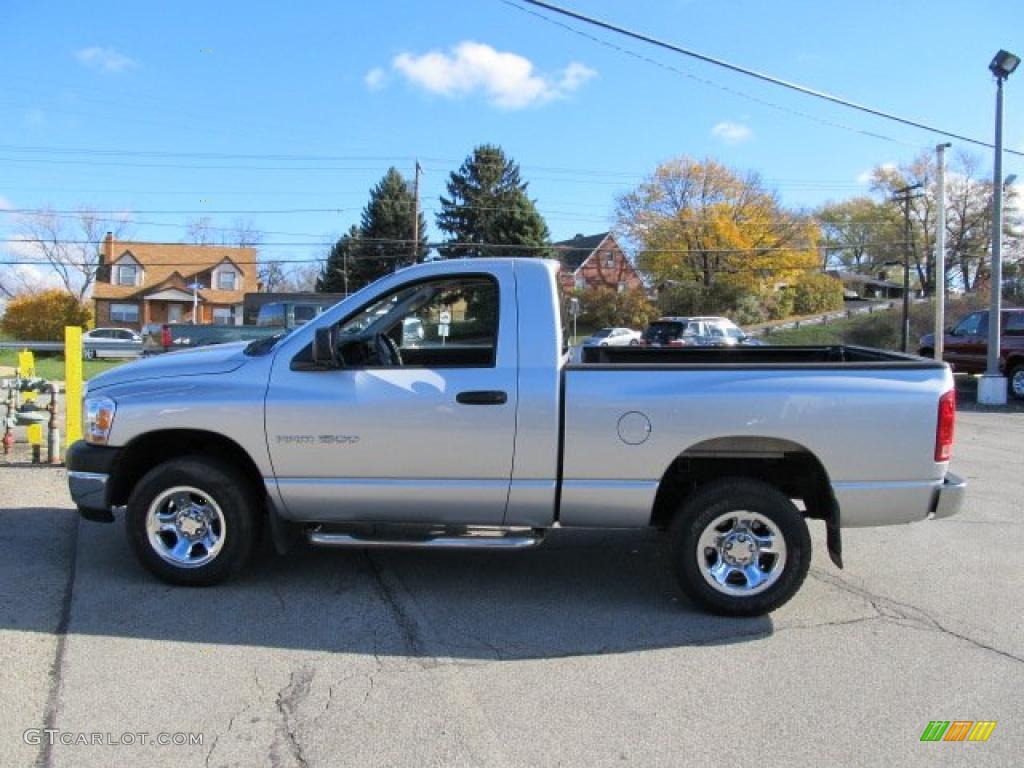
580, 653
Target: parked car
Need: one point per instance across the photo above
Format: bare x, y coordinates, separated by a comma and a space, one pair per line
111, 342
966, 346
696, 332
488, 441
613, 337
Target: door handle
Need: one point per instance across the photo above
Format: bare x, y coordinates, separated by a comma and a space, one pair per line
482, 397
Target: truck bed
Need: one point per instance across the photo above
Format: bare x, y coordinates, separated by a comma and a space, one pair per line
799, 357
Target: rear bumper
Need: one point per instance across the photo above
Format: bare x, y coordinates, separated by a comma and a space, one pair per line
949, 498
89, 471
893, 503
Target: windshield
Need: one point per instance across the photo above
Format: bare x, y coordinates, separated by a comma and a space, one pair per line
662, 332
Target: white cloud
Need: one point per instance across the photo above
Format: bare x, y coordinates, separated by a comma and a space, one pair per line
732, 133
376, 79
508, 80
104, 59
5, 204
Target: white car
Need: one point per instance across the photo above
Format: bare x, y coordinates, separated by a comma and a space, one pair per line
111, 342
613, 337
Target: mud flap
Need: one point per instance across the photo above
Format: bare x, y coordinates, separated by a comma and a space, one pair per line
833, 536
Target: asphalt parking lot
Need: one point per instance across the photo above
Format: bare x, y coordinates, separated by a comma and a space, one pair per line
580, 653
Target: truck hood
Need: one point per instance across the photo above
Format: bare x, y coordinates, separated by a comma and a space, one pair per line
201, 361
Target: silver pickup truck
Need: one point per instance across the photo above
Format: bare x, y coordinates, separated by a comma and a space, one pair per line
478, 433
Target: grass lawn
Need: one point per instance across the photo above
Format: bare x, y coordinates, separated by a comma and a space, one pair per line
51, 366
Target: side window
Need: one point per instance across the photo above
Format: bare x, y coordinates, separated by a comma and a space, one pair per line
969, 326
304, 313
448, 323
1014, 323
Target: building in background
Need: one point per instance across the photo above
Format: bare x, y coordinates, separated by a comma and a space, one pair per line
141, 283
595, 261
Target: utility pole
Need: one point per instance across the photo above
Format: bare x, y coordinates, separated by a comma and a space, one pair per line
416, 212
940, 252
904, 197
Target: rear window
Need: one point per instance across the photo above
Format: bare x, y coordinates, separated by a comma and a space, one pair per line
604, 332
1014, 323
663, 331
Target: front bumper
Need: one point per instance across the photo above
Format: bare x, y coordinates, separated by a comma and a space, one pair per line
949, 497
89, 471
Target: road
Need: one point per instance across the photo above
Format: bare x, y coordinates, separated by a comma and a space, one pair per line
580, 653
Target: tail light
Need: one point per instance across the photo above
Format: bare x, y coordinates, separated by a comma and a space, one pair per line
677, 343
944, 429
165, 336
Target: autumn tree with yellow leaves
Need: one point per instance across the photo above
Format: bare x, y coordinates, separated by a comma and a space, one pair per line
700, 222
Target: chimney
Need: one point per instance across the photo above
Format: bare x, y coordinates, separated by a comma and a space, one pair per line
107, 254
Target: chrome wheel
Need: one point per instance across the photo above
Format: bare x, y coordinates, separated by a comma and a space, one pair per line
185, 527
741, 553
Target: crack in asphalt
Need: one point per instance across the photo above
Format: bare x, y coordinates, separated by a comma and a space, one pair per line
406, 624
906, 615
45, 756
287, 702
235, 716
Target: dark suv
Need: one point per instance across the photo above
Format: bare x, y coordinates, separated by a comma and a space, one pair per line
966, 346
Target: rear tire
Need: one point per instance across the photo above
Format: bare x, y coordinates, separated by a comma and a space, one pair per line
193, 521
739, 547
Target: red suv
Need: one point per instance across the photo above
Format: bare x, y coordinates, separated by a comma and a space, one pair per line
966, 346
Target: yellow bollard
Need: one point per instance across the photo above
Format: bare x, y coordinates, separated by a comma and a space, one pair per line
27, 370
72, 384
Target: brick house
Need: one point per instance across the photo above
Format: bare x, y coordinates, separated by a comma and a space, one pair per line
595, 261
140, 283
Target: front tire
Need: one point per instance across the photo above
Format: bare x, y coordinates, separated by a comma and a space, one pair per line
740, 547
192, 521
1015, 381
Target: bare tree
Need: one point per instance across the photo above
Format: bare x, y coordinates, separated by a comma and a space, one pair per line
200, 230
244, 234
302, 278
271, 275
70, 245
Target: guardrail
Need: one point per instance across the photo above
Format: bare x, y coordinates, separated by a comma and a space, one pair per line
824, 318
129, 347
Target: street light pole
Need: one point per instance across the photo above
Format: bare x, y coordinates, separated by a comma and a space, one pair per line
992, 387
940, 251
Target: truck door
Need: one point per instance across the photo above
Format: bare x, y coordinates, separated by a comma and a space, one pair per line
415, 427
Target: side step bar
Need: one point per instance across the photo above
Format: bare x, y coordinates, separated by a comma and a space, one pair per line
470, 539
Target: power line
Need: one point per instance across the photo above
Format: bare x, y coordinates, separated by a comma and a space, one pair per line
823, 95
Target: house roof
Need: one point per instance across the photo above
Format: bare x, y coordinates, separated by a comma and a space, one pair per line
572, 253
177, 264
853, 277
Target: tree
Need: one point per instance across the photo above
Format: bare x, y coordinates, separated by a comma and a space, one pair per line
200, 230
487, 207
382, 243
69, 244
271, 276
334, 278
42, 316
860, 234
699, 221
602, 307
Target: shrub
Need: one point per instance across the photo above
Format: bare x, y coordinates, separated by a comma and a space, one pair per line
602, 307
814, 293
42, 316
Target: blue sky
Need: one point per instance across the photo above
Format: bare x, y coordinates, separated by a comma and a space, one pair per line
326, 95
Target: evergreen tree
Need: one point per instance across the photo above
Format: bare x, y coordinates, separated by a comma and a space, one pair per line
383, 241
340, 260
487, 205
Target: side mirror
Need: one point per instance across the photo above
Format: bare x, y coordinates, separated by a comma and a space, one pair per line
325, 348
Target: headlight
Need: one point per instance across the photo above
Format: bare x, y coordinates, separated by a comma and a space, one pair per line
99, 418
